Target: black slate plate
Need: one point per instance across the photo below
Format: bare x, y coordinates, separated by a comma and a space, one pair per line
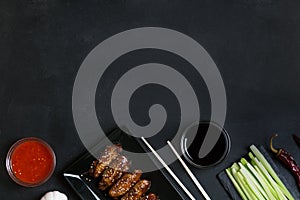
283, 174
86, 187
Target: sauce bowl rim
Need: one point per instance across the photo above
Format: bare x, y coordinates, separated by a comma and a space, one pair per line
9, 163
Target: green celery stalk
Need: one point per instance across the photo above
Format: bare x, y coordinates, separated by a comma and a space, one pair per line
270, 179
241, 183
247, 188
259, 191
236, 185
273, 192
262, 176
235, 166
260, 180
268, 167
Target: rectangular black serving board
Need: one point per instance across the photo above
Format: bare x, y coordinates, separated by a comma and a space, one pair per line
282, 173
86, 187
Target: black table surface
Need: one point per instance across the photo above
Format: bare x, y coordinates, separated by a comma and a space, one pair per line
255, 45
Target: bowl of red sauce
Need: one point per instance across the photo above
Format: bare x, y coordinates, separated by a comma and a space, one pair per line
30, 162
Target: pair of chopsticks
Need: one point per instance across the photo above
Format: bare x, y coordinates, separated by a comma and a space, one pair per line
194, 179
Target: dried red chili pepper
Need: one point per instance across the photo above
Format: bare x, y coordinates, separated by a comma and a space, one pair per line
286, 158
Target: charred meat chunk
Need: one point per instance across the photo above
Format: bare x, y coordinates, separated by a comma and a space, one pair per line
150, 196
106, 157
124, 184
137, 191
114, 172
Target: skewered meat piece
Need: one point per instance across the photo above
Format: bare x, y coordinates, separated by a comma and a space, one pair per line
150, 196
106, 157
124, 184
137, 191
114, 172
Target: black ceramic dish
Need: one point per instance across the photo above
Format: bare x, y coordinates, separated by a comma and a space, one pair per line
86, 187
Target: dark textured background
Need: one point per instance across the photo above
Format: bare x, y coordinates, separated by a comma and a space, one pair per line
255, 45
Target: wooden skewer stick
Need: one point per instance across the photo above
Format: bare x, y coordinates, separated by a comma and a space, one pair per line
169, 170
187, 169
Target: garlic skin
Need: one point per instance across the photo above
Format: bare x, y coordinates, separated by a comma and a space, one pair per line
54, 195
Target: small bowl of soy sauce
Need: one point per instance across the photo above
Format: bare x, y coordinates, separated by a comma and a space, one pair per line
205, 144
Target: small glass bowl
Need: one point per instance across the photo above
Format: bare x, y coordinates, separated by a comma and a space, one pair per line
190, 144
9, 166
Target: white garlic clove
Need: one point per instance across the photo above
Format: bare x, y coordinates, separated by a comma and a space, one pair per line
54, 195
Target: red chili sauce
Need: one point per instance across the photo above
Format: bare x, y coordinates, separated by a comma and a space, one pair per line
32, 162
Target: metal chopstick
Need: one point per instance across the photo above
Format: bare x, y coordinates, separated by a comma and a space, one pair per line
169, 170
192, 176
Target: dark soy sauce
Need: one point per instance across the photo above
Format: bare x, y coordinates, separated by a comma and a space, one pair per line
191, 144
